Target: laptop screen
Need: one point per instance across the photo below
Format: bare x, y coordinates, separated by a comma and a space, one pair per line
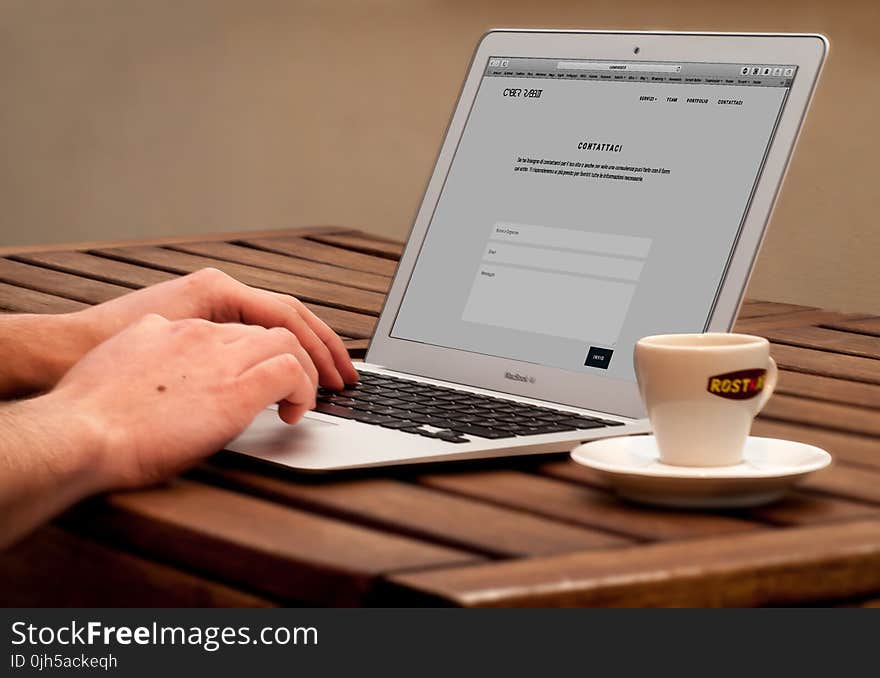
589, 204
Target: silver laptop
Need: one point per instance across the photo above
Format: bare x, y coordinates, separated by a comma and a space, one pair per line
593, 188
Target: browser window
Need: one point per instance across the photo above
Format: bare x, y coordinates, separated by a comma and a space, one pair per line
591, 203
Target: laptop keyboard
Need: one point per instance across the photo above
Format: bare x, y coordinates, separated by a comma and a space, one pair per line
445, 413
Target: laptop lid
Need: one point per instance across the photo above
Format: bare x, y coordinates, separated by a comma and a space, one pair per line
593, 188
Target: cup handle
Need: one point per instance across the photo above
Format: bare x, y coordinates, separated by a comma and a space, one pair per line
769, 384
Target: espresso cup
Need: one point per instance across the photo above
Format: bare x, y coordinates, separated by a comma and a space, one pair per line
702, 391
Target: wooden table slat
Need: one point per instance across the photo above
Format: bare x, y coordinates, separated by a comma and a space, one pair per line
823, 339
53, 568
844, 447
98, 268
840, 480
584, 506
828, 415
797, 508
801, 508
22, 300
763, 324
360, 242
869, 325
296, 231
324, 253
826, 364
766, 567
827, 388
756, 309
285, 264
64, 285
267, 548
306, 289
420, 512
357, 325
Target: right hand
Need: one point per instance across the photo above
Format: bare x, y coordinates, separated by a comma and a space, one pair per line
161, 395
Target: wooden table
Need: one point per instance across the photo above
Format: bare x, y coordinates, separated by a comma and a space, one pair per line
539, 531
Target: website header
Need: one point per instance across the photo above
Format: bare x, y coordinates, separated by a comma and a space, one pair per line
754, 75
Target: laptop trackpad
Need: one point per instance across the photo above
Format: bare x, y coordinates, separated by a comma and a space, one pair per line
268, 435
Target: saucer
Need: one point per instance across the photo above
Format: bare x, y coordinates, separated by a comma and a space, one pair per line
632, 466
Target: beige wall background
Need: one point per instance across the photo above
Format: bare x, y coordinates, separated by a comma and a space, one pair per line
135, 118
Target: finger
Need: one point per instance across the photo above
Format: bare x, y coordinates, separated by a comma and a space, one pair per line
329, 338
290, 413
280, 378
257, 344
270, 309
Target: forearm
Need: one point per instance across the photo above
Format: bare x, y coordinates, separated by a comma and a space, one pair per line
49, 459
37, 350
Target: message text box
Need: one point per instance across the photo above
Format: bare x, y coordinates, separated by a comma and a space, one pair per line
557, 304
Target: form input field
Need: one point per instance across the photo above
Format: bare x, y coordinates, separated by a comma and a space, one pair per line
576, 307
563, 261
567, 238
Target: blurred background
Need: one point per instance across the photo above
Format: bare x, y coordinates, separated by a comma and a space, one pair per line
139, 118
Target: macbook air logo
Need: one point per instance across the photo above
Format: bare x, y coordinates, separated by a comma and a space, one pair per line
516, 376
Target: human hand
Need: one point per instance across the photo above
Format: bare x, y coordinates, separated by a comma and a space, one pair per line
212, 295
160, 395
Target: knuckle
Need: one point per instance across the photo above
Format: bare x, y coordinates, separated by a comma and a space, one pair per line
285, 336
195, 327
152, 319
291, 364
209, 278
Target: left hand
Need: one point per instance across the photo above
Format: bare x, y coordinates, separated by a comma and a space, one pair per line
210, 294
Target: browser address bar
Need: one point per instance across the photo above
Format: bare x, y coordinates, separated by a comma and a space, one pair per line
626, 68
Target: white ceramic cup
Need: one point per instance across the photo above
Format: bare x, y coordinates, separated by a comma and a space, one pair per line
702, 392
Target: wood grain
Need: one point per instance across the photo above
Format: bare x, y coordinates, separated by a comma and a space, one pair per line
307, 289
21, 300
844, 447
823, 339
826, 364
60, 284
257, 545
54, 568
583, 505
827, 388
756, 309
324, 253
840, 480
805, 508
286, 264
362, 243
797, 508
763, 324
170, 239
868, 325
775, 567
132, 275
420, 512
827, 415
98, 268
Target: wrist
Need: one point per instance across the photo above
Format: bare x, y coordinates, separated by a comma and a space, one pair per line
72, 444
40, 349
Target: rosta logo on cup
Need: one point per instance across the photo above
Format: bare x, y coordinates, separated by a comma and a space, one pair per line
739, 385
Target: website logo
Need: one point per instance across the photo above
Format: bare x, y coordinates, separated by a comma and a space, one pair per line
516, 376
740, 385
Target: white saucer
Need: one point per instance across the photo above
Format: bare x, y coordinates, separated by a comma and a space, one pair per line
633, 468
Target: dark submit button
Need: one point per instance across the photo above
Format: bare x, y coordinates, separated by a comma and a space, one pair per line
599, 357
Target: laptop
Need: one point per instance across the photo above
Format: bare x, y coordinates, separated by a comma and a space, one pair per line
592, 188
